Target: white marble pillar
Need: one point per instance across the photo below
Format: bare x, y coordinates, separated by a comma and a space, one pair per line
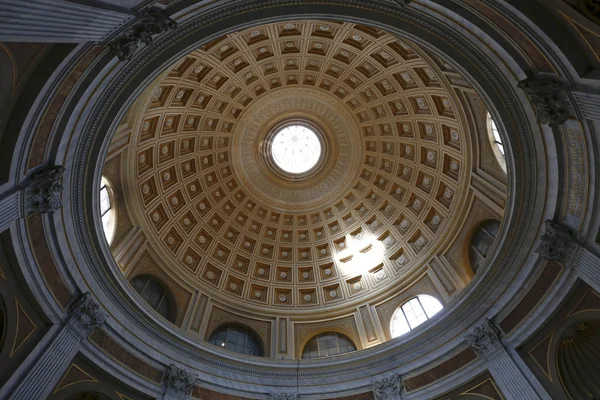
50, 365
178, 383
558, 243
59, 21
485, 340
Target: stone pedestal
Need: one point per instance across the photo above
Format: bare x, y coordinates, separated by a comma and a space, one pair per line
50, 366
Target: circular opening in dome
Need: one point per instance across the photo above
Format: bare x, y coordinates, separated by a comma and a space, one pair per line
296, 149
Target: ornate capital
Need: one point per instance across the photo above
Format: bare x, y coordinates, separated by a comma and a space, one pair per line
549, 98
152, 21
179, 382
403, 3
283, 396
557, 242
87, 313
485, 339
389, 388
43, 192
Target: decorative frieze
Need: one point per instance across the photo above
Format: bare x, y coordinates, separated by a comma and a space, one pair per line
549, 99
178, 382
152, 22
389, 388
43, 192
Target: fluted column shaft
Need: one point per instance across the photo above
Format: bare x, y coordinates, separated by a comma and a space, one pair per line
10, 209
509, 377
51, 364
52, 21
587, 266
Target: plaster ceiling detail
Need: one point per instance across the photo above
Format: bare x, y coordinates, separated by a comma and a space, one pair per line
386, 197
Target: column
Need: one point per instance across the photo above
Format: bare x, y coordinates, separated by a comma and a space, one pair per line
178, 383
59, 21
389, 388
485, 340
41, 193
49, 367
558, 243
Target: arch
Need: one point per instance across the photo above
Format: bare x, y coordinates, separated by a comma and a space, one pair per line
482, 241
496, 141
413, 313
157, 295
327, 344
237, 338
108, 209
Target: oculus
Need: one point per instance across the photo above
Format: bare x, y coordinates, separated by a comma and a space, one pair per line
296, 149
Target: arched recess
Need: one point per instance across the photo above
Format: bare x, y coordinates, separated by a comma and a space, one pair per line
327, 344
481, 242
237, 338
578, 360
156, 294
413, 313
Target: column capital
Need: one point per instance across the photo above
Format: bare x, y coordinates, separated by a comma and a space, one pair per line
558, 242
389, 388
485, 339
283, 396
549, 99
152, 21
87, 315
42, 194
179, 382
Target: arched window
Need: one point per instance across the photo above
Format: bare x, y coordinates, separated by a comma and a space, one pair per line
481, 242
107, 210
328, 344
155, 294
413, 313
236, 338
496, 141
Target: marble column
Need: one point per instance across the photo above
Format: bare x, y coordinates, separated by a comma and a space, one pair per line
50, 366
59, 21
41, 193
389, 388
485, 340
559, 244
178, 383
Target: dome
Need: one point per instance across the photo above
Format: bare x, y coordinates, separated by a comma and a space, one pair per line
341, 200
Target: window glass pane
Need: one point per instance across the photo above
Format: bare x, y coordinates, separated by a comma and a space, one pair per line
414, 313
237, 339
327, 344
431, 305
104, 200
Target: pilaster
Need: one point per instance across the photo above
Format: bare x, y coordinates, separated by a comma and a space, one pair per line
485, 340
559, 244
42, 377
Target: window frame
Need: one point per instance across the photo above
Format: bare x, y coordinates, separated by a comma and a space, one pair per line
498, 146
316, 338
400, 309
109, 228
